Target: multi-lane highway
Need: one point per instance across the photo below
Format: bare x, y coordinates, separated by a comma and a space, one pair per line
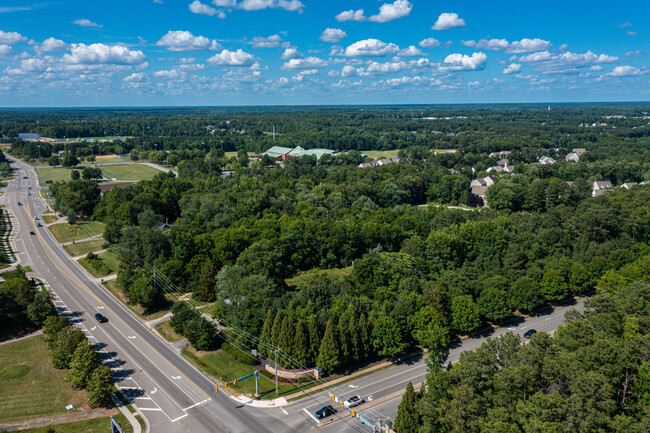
169, 391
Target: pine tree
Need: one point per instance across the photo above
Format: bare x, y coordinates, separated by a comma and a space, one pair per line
266, 333
406, 420
277, 328
344, 342
364, 338
328, 355
83, 363
314, 341
285, 342
353, 335
300, 344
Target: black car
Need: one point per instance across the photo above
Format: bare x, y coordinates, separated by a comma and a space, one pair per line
20, 204
325, 412
101, 318
32, 233
530, 333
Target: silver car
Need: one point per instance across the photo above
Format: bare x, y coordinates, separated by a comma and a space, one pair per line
353, 401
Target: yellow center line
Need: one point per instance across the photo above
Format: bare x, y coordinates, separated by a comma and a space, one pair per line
87, 289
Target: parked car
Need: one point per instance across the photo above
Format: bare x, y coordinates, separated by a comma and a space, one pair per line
530, 333
353, 401
325, 412
101, 318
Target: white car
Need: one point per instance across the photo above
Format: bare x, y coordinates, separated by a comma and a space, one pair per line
353, 401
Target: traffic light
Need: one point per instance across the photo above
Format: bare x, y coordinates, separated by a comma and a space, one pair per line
234, 382
216, 389
225, 385
341, 402
352, 413
333, 399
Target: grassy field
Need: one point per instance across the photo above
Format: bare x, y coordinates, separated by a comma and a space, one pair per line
64, 232
109, 260
331, 273
80, 248
49, 218
222, 366
107, 159
380, 154
234, 154
97, 425
165, 329
129, 172
55, 174
36, 389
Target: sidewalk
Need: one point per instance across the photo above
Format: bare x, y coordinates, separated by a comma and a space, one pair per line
127, 414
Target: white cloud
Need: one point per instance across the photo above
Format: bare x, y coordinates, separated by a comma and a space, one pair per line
272, 41
513, 68
620, 26
86, 23
256, 5
202, 9
377, 48
392, 11
516, 47
333, 35
11, 37
5, 50
302, 74
167, 74
429, 43
232, 58
136, 77
95, 54
626, 71
351, 15
566, 62
387, 12
291, 53
463, 62
596, 68
631, 33
52, 44
179, 40
448, 21
306, 63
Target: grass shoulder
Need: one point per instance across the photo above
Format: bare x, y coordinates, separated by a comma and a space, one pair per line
96, 425
64, 232
112, 287
84, 247
101, 265
167, 332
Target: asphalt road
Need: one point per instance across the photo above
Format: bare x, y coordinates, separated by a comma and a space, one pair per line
170, 392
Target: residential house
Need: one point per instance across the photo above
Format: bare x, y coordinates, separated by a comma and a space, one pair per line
503, 162
600, 186
480, 191
572, 157
483, 181
546, 160
579, 151
629, 185
380, 162
500, 153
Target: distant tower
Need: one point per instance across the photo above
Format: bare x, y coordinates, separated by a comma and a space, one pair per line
549, 108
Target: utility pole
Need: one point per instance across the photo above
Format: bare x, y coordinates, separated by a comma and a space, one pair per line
257, 385
276, 372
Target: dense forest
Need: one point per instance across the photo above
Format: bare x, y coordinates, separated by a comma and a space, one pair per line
351, 262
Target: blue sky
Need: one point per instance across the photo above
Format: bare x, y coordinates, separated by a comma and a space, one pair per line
253, 52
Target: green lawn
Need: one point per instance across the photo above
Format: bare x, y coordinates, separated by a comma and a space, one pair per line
47, 219
38, 390
55, 174
109, 261
129, 172
80, 248
97, 425
233, 154
107, 159
165, 329
64, 232
380, 154
222, 366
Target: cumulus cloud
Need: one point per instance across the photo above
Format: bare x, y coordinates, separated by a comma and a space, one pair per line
463, 62
52, 44
637, 53
626, 71
202, 9
86, 23
179, 40
167, 74
272, 41
5, 50
136, 77
377, 48
306, 63
448, 21
620, 26
513, 68
291, 53
516, 47
232, 58
256, 5
566, 62
387, 12
95, 54
11, 37
429, 43
333, 36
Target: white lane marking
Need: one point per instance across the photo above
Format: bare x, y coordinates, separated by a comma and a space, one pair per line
284, 411
132, 337
153, 391
369, 398
311, 416
143, 398
353, 386
176, 377
99, 307
180, 417
197, 404
153, 409
93, 328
